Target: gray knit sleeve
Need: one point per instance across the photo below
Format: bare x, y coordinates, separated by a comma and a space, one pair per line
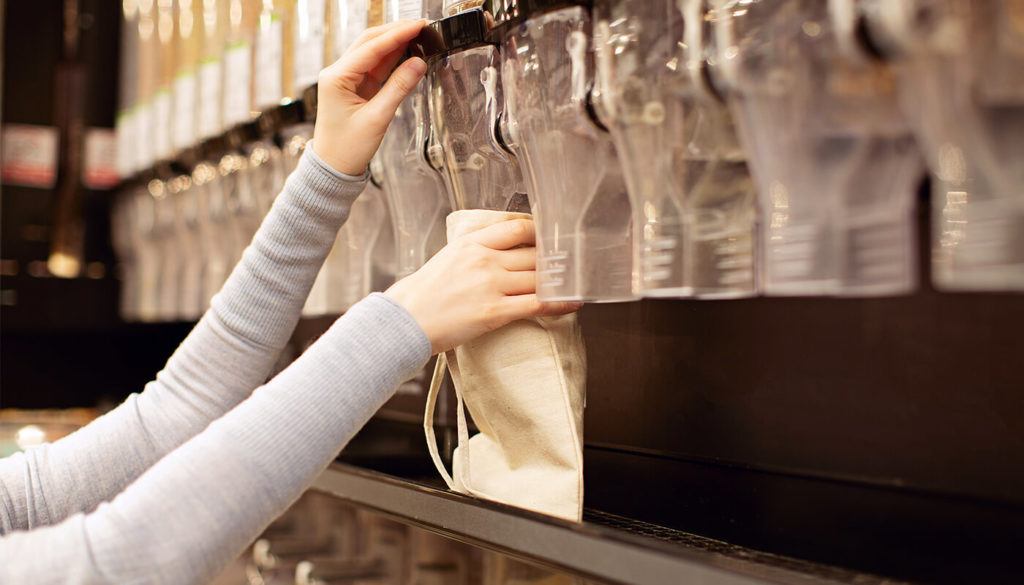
228, 354
196, 509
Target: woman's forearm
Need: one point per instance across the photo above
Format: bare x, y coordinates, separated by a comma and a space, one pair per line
197, 509
231, 351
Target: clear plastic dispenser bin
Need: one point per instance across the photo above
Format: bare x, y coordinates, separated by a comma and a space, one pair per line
961, 78
463, 98
577, 192
835, 161
694, 203
351, 276
415, 195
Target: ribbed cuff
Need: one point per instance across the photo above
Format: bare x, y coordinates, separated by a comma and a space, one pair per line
396, 329
320, 189
311, 152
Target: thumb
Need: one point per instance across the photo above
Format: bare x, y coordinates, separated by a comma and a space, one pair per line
399, 84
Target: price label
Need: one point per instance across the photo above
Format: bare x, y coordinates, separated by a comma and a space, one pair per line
30, 155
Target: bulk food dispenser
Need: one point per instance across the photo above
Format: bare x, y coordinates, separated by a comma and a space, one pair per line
694, 203
960, 70
463, 100
415, 194
355, 270
834, 159
577, 192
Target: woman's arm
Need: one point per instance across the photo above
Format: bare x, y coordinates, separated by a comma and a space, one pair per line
231, 351
236, 343
200, 506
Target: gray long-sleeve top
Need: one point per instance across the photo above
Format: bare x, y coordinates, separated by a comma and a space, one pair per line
175, 482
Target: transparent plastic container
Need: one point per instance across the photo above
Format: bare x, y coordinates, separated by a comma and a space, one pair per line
456, 6
351, 273
218, 244
131, 223
415, 195
834, 159
579, 200
464, 93
348, 21
395, 10
150, 256
190, 301
241, 213
166, 272
693, 199
266, 173
961, 77
293, 144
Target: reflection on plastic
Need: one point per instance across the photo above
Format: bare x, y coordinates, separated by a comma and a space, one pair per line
578, 196
960, 68
693, 199
835, 162
415, 195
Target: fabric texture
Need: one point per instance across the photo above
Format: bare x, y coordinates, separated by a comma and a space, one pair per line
174, 483
524, 386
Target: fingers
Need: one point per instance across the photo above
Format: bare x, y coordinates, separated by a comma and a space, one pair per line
505, 235
519, 283
526, 305
376, 31
518, 258
402, 81
374, 79
363, 58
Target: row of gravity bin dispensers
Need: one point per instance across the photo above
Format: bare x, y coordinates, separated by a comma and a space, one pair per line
707, 149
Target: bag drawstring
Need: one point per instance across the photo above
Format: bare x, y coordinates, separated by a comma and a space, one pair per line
462, 447
428, 418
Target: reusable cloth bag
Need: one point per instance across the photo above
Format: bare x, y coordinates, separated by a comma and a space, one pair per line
524, 385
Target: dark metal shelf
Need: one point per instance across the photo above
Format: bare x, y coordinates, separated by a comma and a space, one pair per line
604, 546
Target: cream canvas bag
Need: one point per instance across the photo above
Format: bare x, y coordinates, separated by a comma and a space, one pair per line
524, 386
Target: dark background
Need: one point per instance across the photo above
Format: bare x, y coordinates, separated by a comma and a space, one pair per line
61, 341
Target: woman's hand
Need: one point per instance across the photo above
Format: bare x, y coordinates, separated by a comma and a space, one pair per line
356, 99
476, 284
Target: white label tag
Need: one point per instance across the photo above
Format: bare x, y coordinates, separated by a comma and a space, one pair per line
209, 98
30, 155
144, 147
268, 65
310, 16
99, 169
162, 107
184, 134
237, 80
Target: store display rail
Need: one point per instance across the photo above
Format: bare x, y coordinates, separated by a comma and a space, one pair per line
605, 547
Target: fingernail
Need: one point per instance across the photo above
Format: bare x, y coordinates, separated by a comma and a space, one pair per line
417, 65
